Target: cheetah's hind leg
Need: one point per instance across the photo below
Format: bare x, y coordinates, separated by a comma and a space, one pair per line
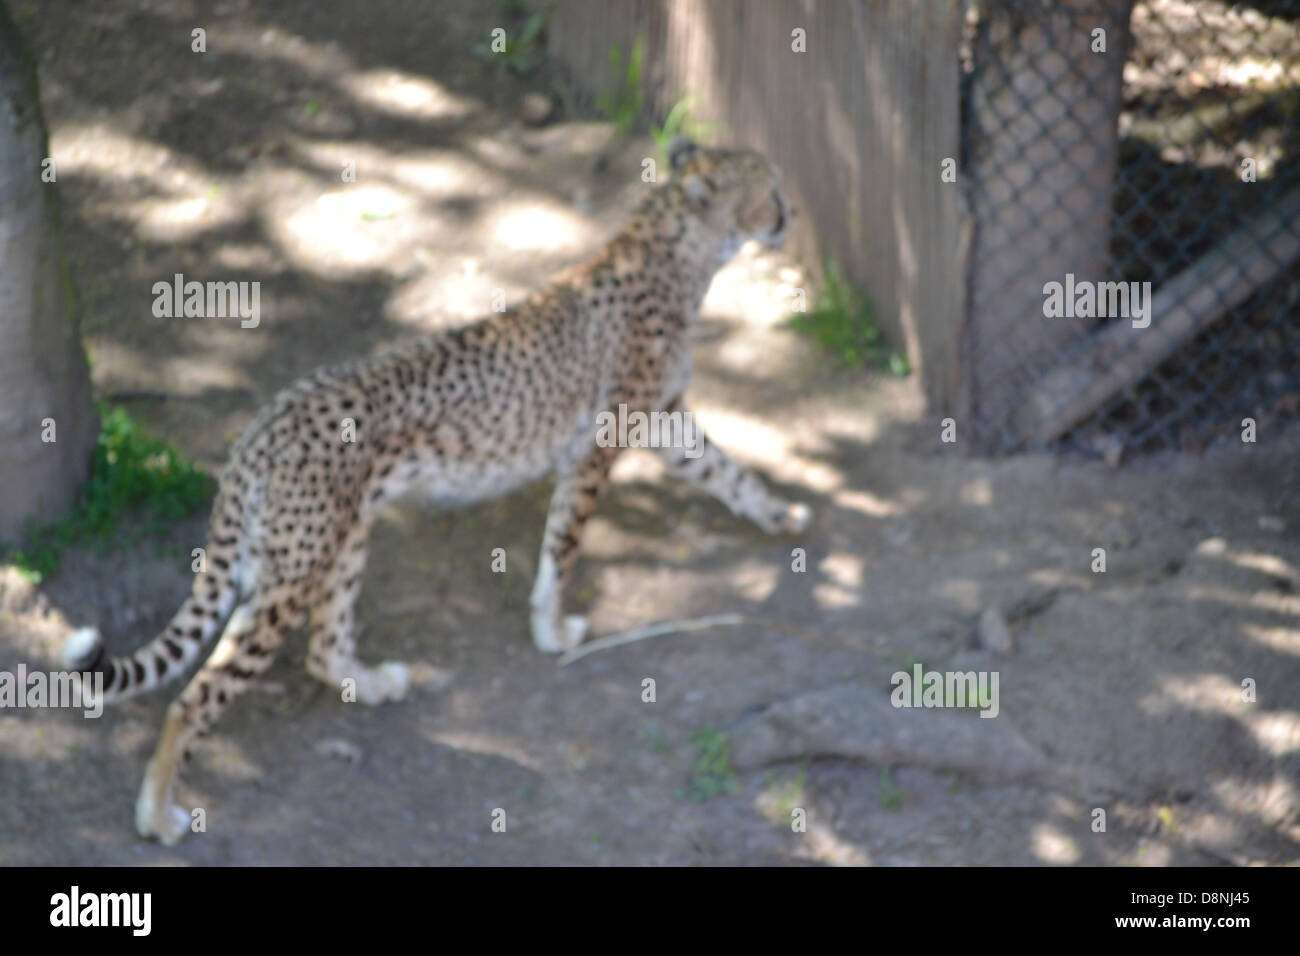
254, 632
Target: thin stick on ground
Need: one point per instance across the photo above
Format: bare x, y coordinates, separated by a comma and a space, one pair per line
651, 630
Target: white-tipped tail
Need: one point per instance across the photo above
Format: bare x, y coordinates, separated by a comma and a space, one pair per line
82, 649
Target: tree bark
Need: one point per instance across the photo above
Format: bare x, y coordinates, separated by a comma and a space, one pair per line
44, 377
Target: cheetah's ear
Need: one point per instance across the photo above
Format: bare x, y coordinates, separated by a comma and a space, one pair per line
681, 149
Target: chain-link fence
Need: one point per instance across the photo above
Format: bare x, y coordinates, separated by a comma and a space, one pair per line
1133, 175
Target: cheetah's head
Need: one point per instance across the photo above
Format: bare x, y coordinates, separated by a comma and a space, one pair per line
735, 193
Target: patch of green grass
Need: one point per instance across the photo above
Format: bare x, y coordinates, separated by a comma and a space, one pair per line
679, 122
134, 477
523, 49
711, 774
889, 794
841, 321
622, 104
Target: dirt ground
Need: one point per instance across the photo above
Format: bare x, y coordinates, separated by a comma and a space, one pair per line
1122, 690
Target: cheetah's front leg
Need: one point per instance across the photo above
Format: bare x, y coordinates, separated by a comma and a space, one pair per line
572, 503
706, 466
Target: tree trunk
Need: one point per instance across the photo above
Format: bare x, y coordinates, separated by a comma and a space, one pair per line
44, 378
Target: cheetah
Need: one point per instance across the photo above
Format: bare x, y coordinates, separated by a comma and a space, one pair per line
457, 416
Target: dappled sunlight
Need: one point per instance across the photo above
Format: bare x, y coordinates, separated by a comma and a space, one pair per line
756, 580
180, 220
185, 199
870, 504
343, 231
1209, 828
1277, 733
433, 173
110, 155
273, 43
741, 352
1271, 802
1262, 600
464, 292
750, 298
1284, 640
817, 841
185, 374
832, 596
1269, 564
410, 97
402, 206
759, 441
248, 257
826, 846
1049, 844
749, 435
536, 225
843, 569
1203, 693
638, 465
842, 587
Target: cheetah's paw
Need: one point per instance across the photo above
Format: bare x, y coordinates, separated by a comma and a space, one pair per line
550, 640
165, 822
788, 518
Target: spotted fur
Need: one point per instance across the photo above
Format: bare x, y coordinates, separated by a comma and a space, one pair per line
460, 416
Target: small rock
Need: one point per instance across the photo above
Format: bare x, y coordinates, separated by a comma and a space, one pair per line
1212, 548
860, 723
336, 747
1271, 523
536, 108
1112, 452
992, 633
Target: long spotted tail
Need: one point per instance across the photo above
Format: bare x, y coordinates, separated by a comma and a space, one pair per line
192, 627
